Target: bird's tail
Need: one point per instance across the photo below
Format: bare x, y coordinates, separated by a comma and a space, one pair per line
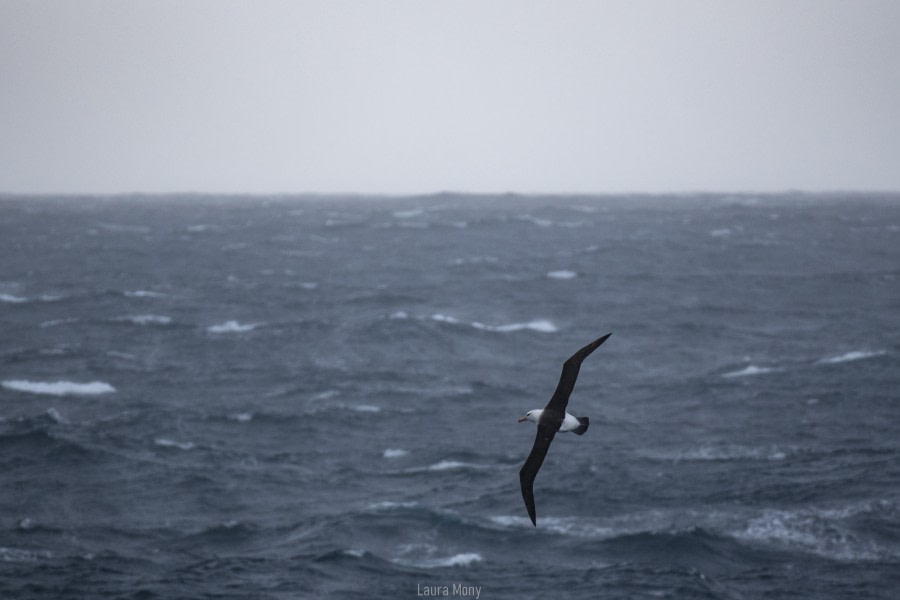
583, 423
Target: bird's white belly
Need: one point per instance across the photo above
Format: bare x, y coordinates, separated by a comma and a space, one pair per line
569, 423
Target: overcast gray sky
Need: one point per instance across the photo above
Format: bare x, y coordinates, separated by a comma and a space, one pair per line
418, 96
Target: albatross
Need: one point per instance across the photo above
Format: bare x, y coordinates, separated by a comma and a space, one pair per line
553, 418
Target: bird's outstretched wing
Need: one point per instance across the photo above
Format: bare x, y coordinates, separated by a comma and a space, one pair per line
568, 376
529, 470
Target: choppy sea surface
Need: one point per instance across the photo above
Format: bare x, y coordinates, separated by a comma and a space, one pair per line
280, 397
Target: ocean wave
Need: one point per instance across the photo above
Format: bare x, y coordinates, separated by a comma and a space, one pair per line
144, 294
850, 356
58, 388
21, 555
232, 327
388, 505
844, 533
751, 370
395, 453
57, 322
447, 465
11, 299
423, 556
539, 325
168, 443
827, 532
726, 452
146, 319
562, 274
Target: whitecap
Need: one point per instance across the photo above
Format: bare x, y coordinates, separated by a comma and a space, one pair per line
388, 504
750, 370
562, 274
709, 452
21, 555
146, 319
451, 465
570, 526
58, 388
540, 325
395, 453
144, 294
850, 356
367, 408
241, 417
10, 299
722, 232
819, 532
444, 318
463, 559
400, 314
167, 443
232, 327
55, 322
54, 414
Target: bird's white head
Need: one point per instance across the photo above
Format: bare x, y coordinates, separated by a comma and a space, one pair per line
532, 415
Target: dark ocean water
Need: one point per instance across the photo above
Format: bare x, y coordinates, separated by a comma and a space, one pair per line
317, 397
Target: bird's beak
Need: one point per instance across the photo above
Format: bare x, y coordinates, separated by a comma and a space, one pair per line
522, 419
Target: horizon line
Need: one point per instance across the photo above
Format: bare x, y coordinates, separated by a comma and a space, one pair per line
456, 193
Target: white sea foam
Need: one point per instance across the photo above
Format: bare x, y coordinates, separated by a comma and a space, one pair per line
395, 453
55, 322
54, 414
15, 555
817, 531
388, 504
750, 370
146, 319
10, 299
241, 417
232, 327
851, 356
167, 443
144, 294
569, 526
444, 318
451, 465
463, 559
709, 452
540, 325
562, 274
721, 232
366, 408
59, 388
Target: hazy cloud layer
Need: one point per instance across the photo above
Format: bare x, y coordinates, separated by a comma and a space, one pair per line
403, 97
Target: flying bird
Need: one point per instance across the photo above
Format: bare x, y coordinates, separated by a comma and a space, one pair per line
553, 418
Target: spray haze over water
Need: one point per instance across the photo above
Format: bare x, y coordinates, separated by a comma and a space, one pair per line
317, 397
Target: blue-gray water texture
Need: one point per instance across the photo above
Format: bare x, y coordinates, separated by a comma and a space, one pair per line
308, 397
